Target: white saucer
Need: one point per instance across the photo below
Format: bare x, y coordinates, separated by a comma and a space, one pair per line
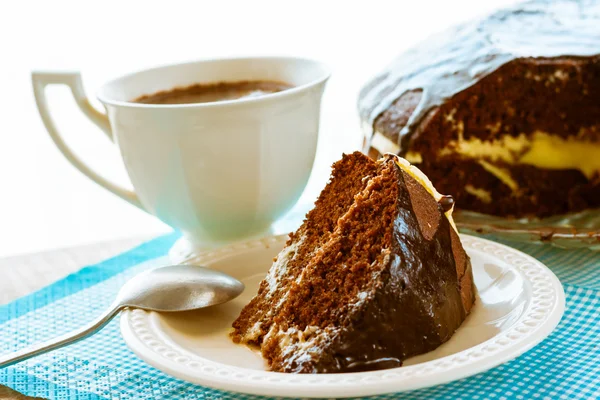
520, 302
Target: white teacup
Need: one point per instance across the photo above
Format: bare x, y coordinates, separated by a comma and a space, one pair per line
217, 171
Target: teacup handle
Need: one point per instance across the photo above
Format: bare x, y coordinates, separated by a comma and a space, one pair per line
73, 81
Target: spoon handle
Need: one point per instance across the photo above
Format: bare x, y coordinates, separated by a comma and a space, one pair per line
53, 344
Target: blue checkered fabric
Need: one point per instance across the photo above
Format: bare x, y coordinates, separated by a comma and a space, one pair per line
564, 366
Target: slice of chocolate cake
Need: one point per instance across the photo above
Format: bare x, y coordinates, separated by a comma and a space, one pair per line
375, 274
502, 113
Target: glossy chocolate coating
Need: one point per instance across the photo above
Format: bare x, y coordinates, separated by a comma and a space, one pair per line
425, 294
458, 58
446, 202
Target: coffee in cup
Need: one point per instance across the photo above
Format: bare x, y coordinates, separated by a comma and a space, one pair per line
212, 92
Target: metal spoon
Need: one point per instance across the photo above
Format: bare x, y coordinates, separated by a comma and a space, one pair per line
173, 288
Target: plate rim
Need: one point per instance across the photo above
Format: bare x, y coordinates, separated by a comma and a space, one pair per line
137, 332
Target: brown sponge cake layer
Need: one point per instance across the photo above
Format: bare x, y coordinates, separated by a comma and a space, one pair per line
346, 179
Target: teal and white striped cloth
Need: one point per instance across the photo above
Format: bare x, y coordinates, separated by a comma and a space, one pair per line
564, 366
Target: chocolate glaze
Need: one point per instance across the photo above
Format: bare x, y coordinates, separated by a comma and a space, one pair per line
418, 304
456, 59
446, 202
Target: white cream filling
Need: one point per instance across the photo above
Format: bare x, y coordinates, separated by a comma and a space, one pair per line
254, 332
300, 346
277, 271
279, 267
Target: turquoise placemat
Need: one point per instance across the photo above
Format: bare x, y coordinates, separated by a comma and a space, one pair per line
564, 366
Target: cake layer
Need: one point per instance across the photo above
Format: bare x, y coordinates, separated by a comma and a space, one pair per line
333, 202
389, 281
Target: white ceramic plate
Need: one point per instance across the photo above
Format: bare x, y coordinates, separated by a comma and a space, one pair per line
519, 303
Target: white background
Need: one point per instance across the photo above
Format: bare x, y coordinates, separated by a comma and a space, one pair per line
45, 203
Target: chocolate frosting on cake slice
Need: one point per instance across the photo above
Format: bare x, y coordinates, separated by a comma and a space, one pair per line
387, 280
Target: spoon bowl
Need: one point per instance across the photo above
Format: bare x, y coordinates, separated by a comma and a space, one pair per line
179, 288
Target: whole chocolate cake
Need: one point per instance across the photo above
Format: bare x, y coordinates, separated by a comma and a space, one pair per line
375, 274
503, 113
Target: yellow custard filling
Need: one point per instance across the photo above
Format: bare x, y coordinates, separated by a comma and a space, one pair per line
552, 152
540, 150
501, 173
480, 193
384, 145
